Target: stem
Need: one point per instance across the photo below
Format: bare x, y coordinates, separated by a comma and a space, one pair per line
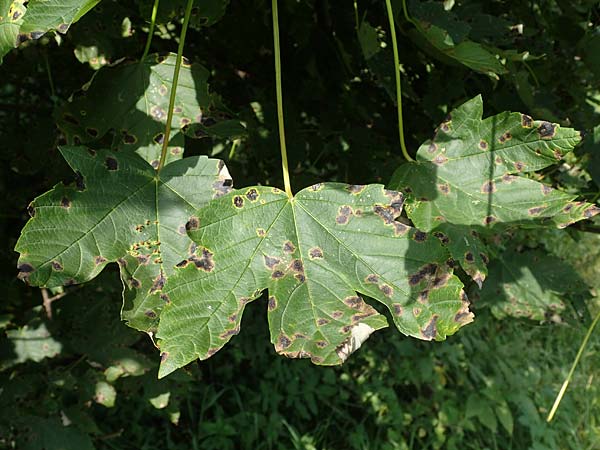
186, 21
357, 25
563, 389
390, 13
151, 31
284, 161
406, 16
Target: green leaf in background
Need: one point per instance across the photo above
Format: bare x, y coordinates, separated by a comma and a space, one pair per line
444, 36
204, 13
33, 342
532, 284
313, 253
467, 179
120, 210
132, 99
21, 20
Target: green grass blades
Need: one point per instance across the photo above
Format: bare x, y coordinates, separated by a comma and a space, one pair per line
314, 253
118, 210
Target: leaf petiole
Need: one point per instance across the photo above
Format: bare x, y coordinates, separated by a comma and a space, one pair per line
165, 144
151, 30
390, 13
277, 54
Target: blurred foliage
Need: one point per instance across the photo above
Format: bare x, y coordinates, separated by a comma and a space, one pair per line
84, 380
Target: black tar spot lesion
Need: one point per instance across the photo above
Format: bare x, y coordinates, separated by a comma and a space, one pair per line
111, 163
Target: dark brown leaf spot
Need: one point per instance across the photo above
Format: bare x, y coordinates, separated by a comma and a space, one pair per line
399, 229
149, 313
508, 178
321, 344
205, 262
442, 237
143, 259
129, 139
484, 258
430, 331
315, 253
420, 236
192, 224
92, 132
417, 311
337, 314
158, 283
425, 271
488, 187
260, 232
57, 266
359, 317
65, 203
99, 260
158, 113
387, 290
343, 214
355, 188
283, 341
232, 318
483, 145
276, 275
536, 210
440, 160
423, 296
297, 266
122, 262
316, 187
322, 322
488, 220
79, 181
398, 309
272, 303
546, 189
591, 212
432, 148
230, 333
385, 213
63, 27
238, 201
519, 166
526, 121
469, 258
164, 356
135, 283
354, 302
506, 136
288, 247
444, 188
111, 163
159, 138
372, 279
252, 195
546, 130
271, 261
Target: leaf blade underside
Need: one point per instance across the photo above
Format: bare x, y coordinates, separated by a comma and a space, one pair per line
313, 253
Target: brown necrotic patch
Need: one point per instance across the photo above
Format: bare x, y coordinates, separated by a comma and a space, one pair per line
158, 283
591, 212
344, 214
526, 121
65, 203
282, 342
546, 189
398, 310
546, 130
192, 224
354, 301
252, 194
277, 274
432, 148
488, 220
227, 334
57, 266
238, 201
483, 145
519, 166
505, 137
315, 253
159, 138
271, 261
385, 212
322, 322
399, 229
129, 139
420, 236
111, 163
440, 160
337, 314
288, 247
423, 296
442, 237
164, 356
297, 266
387, 290
99, 260
150, 314
25, 269
444, 188
469, 258
272, 303
488, 187
143, 259
372, 279
355, 188
260, 232
430, 330
204, 262
154, 163
135, 283
507, 178
158, 113
536, 210
321, 344
424, 272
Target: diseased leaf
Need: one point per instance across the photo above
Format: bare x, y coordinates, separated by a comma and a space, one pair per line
465, 178
119, 210
313, 253
132, 99
531, 284
21, 20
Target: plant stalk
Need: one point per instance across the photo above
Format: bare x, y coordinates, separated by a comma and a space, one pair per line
563, 389
390, 13
151, 31
284, 160
165, 145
